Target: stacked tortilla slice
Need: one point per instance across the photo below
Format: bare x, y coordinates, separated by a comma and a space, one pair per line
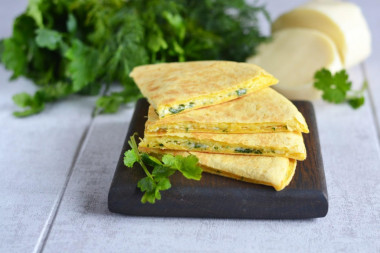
238, 127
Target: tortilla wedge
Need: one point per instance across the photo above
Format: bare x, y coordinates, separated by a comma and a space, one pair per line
272, 171
173, 88
284, 144
262, 111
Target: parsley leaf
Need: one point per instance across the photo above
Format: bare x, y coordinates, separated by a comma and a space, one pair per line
48, 38
150, 160
130, 158
356, 102
170, 161
82, 66
33, 104
146, 184
71, 23
158, 179
13, 58
163, 184
337, 88
162, 171
34, 11
187, 165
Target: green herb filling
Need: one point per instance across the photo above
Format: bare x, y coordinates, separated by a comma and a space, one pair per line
241, 92
180, 108
249, 150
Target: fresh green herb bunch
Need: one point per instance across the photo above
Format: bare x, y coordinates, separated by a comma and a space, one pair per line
158, 179
82, 46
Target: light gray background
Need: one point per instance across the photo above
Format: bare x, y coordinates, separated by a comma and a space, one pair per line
56, 169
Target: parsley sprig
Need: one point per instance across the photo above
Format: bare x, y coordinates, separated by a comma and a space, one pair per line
158, 179
337, 88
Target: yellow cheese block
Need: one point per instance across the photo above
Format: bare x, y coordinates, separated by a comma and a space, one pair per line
293, 56
342, 21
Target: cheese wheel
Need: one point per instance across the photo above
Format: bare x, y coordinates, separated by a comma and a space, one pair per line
343, 22
293, 56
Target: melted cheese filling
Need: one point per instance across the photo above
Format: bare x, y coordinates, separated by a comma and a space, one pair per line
213, 147
221, 128
201, 102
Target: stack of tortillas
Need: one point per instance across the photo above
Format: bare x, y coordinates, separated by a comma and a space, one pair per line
225, 114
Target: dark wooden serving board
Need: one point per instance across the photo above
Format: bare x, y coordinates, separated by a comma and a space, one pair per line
219, 197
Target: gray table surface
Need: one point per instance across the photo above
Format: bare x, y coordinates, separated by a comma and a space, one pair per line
56, 169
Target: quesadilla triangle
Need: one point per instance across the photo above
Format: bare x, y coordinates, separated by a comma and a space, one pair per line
272, 171
284, 144
173, 88
262, 111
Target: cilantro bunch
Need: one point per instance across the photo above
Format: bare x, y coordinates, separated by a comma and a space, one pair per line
158, 179
82, 46
337, 88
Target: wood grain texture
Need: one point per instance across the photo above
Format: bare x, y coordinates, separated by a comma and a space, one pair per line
219, 197
36, 154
